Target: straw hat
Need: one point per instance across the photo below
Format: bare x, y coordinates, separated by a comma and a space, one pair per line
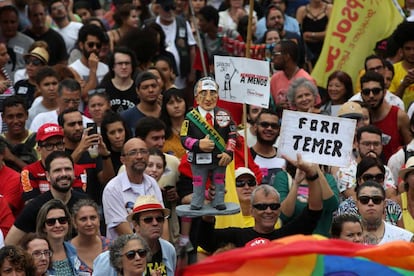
147, 203
40, 53
350, 110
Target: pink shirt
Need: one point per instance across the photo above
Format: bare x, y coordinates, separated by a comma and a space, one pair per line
279, 85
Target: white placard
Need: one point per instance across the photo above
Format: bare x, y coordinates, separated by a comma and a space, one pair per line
321, 139
243, 80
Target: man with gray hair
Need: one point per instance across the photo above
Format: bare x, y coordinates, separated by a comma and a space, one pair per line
209, 133
266, 210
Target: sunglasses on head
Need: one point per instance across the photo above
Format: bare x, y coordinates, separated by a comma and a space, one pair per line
375, 199
264, 206
91, 44
367, 91
267, 124
33, 61
142, 253
52, 221
101, 91
149, 220
242, 183
376, 177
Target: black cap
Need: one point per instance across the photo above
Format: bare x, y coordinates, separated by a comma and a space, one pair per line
167, 5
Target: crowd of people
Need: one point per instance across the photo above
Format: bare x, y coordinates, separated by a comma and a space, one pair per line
108, 123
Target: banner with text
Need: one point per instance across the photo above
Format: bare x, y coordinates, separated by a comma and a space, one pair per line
353, 30
243, 80
321, 139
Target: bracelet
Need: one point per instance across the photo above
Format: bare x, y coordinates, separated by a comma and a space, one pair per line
313, 177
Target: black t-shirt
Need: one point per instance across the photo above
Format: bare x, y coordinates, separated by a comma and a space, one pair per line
120, 100
26, 221
156, 262
26, 90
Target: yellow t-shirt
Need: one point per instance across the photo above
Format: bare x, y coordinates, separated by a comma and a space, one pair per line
399, 75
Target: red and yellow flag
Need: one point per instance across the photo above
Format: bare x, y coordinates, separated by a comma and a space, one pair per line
353, 30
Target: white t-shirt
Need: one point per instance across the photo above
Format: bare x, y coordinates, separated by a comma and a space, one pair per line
395, 233
51, 117
69, 34
83, 71
170, 35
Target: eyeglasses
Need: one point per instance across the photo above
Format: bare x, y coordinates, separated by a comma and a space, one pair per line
74, 101
101, 91
52, 221
142, 253
51, 146
375, 91
33, 61
242, 183
92, 44
122, 63
149, 220
376, 177
133, 153
264, 206
267, 124
38, 254
369, 144
375, 199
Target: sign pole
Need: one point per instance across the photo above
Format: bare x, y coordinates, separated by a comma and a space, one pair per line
200, 42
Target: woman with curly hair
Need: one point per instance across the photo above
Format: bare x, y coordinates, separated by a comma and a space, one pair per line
15, 260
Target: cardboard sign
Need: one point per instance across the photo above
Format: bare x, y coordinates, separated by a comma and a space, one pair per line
243, 80
321, 139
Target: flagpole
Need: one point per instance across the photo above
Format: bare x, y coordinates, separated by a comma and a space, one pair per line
200, 46
248, 43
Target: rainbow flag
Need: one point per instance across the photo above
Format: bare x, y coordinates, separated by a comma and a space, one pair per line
353, 30
310, 255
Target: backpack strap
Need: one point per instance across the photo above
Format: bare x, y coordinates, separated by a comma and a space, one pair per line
31, 140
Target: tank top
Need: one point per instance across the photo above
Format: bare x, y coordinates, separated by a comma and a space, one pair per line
407, 218
389, 126
311, 24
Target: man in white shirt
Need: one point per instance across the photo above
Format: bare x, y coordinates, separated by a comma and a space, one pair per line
89, 67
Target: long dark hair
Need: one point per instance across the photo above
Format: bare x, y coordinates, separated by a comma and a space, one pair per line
109, 118
165, 117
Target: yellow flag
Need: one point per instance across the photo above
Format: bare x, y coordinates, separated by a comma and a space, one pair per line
354, 28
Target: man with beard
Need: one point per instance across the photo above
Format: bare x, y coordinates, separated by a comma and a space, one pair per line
148, 91
66, 28
122, 191
78, 140
369, 143
89, 67
390, 119
60, 173
267, 128
285, 60
49, 138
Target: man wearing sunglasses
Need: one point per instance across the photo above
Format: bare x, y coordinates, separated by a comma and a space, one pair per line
148, 217
393, 121
60, 173
91, 70
267, 129
265, 202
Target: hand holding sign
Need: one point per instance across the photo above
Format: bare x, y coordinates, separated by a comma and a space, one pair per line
206, 144
308, 168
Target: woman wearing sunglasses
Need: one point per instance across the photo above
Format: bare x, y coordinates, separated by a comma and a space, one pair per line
371, 204
371, 169
129, 255
88, 243
54, 221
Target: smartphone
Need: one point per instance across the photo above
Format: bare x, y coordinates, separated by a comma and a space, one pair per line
93, 130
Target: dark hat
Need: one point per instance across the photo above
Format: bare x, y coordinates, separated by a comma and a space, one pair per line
144, 76
167, 5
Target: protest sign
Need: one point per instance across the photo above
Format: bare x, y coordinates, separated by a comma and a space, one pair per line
321, 139
243, 80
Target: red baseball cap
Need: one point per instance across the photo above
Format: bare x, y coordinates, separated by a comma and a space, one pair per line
48, 130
